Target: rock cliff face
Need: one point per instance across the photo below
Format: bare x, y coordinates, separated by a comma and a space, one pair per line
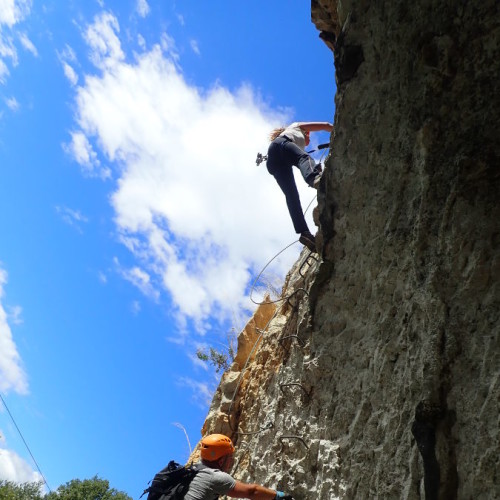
379, 375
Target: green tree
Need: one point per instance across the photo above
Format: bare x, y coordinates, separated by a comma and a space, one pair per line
24, 491
218, 359
221, 358
88, 489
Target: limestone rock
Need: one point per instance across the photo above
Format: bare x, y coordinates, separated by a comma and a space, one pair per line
379, 376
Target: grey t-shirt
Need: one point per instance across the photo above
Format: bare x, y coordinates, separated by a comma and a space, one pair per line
208, 484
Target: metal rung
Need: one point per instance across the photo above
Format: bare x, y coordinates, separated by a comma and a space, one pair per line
310, 256
295, 384
270, 425
294, 293
294, 437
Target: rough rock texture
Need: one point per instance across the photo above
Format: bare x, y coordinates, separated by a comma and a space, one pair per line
394, 346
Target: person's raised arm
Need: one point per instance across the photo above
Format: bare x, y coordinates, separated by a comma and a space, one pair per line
316, 126
255, 492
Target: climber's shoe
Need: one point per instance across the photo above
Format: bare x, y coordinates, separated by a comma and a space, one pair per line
307, 239
315, 182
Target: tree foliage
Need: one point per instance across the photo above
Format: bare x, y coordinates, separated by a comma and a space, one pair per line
222, 358
88, 489
25, 491
219, 359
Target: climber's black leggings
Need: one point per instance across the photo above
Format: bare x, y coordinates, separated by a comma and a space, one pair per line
282, 155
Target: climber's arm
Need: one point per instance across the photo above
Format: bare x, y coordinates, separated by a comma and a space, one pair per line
254, 492
316, 126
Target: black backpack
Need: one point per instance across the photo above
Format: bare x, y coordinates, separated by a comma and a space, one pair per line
172, 482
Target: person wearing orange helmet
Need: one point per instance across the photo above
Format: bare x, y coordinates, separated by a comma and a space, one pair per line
212, 478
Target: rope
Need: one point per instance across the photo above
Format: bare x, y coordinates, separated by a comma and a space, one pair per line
252, 289
254, 347
25, 443
262, 271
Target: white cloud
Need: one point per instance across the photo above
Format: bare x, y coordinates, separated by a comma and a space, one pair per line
15, 315
82, 151
168, 46
12, 378
141, 42
135, 307
28, 44
7, 51
16, 469
191, 206
102, 39
142, 8
67, 54
141, 279
195, 47
11, 13
70, 73
12, 375
7, 48
72, 217
4, 71
66, 57
12, 103
202, 392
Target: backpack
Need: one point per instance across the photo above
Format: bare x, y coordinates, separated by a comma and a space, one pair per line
172, 482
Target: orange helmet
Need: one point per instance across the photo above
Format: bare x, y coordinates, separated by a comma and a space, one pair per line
216, 446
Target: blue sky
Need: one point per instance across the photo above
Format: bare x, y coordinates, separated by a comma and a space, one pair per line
133, 216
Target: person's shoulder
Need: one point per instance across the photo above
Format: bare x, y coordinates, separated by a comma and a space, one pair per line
209, 470
221, 482
222, 474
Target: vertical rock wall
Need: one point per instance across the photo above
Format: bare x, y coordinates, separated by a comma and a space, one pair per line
386, 383
410, 217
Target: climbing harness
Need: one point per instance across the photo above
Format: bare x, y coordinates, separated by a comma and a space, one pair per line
261, 157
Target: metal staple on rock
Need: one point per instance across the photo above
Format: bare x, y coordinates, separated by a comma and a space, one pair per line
270, 425
292, 384
281, 438
306, 261
299, 340
294, 293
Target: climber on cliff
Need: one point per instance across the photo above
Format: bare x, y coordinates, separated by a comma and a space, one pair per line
213, 479
287, 149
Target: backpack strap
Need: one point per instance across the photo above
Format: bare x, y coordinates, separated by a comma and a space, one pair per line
199, 466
